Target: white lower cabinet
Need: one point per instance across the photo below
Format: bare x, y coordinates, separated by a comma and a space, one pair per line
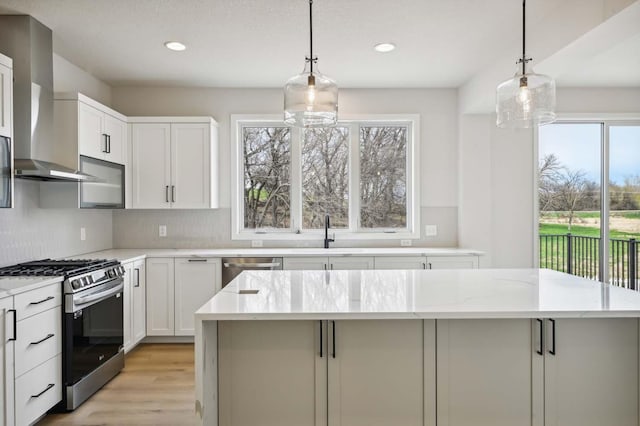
511, 372
38, 390
374, 374
452, 262
7, 338
328, 263
176, 288
401, 262
426, 262
134, 304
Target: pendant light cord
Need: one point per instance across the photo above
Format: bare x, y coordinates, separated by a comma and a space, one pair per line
524, 23
311, 59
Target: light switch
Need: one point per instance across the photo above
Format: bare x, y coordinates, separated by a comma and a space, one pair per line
431, 230
162, 230
83, 234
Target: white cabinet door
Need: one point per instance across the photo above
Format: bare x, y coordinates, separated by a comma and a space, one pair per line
190, 165
116, 131
138, 302
7, 336
160, 296
151, 165
6, 100
271, 373
452, 262
351, 262
401, 262
91, 138
308, 263
196, 280
376, 373
126, 307
591, 373
484, 373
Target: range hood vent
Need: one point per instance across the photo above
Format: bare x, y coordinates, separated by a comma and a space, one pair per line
29, 43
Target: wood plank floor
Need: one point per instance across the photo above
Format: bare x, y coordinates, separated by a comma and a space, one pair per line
156, 387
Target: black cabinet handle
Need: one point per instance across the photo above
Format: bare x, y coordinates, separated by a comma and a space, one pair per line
108, 144
137, 277
321, 349
15, 325
42, 301
173, 194
49, 386
166, 193
552, 351
430, 266
334, 339
540, 350
49, 336
105, 150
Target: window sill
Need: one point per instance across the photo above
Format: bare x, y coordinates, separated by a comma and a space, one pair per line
315, 236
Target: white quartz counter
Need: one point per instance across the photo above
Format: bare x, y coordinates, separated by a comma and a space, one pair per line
128, 255
429, 294
10, 286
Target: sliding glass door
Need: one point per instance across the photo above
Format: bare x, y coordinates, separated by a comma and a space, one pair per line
587, 228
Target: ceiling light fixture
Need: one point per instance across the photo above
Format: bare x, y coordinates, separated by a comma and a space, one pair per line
310, 98
175, 45
528, 99
384, 47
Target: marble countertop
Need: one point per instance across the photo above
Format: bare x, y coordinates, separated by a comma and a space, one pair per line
398, 294
10, 286
128, 255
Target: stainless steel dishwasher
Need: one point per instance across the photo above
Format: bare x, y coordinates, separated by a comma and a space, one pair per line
233, 266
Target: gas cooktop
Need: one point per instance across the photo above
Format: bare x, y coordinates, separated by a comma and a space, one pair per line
50, 267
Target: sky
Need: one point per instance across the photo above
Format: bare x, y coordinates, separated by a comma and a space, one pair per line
577, 146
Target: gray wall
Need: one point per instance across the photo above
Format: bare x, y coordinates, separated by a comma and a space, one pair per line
437, 163
28, 232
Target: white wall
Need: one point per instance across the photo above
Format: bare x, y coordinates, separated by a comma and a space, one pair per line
28, 232
497, 176
438, 162
67, 77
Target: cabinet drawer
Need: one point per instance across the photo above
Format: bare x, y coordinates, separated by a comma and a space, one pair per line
36, 301
38, 390
39, 338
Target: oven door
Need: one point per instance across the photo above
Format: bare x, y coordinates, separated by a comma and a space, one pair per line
93, 331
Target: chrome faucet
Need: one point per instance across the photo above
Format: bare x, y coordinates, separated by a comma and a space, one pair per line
327, 240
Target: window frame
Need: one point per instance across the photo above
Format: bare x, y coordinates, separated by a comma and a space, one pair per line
354, 231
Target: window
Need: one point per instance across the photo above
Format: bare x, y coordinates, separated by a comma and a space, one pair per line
589, 199
360, 172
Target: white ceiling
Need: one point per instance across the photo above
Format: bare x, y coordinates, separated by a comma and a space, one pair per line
261, 43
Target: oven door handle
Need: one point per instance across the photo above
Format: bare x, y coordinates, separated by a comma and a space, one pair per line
102, 295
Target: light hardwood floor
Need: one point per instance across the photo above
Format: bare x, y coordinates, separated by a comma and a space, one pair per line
156, 387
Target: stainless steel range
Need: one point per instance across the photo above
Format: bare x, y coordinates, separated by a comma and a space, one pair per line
92, 320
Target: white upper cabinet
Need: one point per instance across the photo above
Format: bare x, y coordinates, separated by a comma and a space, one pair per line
174, 163
6, 99
95, 130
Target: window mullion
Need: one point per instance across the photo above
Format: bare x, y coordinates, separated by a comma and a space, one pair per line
354, 177
296, 179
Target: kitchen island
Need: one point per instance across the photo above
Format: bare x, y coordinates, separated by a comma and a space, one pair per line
447, 347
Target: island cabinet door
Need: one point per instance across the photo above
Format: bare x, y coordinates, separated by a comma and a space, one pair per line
591, 372
270, 373
377, 373
484, 373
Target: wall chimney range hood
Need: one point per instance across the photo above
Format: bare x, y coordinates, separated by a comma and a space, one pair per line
29, 44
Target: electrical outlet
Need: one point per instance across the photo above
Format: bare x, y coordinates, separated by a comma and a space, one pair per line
431, 230
83, 234
256, 243
162, 230
405, 243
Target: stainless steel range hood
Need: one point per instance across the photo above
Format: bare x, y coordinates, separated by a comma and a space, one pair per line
30, 45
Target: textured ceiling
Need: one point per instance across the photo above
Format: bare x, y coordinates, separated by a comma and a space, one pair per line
261, 43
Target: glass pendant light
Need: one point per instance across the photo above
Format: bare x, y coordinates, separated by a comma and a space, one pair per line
528, 99
310, 98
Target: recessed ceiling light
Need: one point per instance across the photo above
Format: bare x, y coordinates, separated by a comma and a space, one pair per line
384, 47
175, 45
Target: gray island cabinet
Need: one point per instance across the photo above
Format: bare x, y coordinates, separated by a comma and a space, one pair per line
418, 347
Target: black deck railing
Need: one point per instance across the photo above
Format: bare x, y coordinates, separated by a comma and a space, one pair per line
580, 256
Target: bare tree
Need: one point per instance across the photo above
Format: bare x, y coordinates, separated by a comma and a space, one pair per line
549, 174
571, 191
